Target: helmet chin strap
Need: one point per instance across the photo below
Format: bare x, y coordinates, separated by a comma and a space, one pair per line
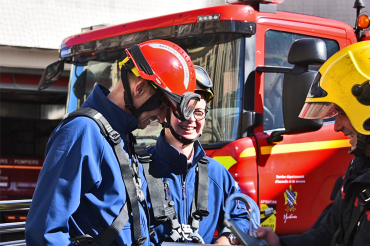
362, 141
152, 103
180, 138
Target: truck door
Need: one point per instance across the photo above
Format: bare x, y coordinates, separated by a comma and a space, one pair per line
296, 175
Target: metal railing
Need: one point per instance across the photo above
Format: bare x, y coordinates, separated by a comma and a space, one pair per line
15, 226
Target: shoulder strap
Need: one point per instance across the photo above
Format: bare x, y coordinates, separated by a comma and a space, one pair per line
200, 198
363, 204
108, 236
155, 186
162, 205
202, 191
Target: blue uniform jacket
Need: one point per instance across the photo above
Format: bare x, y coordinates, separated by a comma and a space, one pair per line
172, 166
80, 188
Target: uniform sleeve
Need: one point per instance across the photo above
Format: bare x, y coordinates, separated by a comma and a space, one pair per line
323, 233
238, 210
71, 168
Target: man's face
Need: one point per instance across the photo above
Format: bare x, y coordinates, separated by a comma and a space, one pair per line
147, 117
191, 128
343, 124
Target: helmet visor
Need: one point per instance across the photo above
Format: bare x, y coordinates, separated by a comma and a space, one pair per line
204, 83
318, 110
203, 80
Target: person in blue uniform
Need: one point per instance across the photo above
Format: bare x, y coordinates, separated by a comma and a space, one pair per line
177, 159
80, 190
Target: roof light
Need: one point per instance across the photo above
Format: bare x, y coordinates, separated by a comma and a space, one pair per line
363, 21
89, 28
204, 18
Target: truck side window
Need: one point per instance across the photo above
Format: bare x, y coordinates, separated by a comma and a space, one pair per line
277, 45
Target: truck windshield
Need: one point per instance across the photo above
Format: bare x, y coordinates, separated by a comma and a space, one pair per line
221, 55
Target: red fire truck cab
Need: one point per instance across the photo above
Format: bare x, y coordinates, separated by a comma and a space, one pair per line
287, 166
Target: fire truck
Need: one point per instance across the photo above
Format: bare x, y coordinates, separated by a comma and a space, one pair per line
288, 165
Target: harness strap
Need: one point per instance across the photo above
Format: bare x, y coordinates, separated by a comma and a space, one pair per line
200, 198
155, 186
358, 211
202, 191
163, 206
108, 236
114, 138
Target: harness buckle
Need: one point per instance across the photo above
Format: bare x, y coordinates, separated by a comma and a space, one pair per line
186, 229
141, 240
196, 238
114, 137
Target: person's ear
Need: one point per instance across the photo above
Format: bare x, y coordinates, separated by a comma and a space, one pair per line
140, 88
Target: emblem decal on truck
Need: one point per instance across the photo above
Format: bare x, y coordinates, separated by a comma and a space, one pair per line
290, 199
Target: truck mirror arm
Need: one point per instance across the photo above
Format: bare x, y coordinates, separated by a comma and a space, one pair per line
276, 136
272, 69
251, 119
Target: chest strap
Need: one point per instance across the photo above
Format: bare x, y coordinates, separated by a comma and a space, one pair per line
163, 206
108, 236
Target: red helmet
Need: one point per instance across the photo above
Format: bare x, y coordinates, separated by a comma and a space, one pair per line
169, 68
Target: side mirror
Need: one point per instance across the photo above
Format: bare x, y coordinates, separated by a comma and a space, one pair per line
80, 86
294, 96
251, 119
297, 82
51, 74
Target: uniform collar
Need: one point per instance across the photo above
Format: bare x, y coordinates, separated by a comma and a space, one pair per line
173, 158
120, 120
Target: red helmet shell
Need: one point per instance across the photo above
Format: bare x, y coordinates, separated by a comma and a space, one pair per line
173, 69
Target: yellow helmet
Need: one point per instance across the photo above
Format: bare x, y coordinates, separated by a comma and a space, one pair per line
344, 80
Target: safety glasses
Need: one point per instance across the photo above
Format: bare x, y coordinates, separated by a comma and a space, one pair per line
186, 107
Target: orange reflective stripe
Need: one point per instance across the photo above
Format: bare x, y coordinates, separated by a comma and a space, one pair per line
300, 147
19, 167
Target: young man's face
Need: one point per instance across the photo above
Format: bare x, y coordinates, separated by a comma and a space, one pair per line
191, 128
343, 124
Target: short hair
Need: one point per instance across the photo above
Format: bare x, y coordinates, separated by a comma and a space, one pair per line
132, 78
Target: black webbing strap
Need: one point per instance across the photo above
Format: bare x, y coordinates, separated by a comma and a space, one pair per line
108, 236
163, 208
358, 211
127, 174
113, 137
200, 200
202, 191
127, 93
156, 187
